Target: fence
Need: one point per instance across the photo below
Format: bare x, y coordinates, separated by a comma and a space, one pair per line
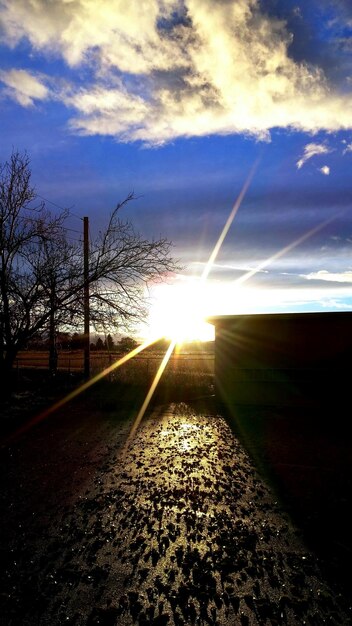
141, 368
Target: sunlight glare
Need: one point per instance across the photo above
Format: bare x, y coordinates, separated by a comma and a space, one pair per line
150, 394
179, 312
76, 392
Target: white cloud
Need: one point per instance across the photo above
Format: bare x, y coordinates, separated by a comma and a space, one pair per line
348, 148
220, 67
113, 32
336, 277
325, 170
23, 87
334, 303
311, 150
99, 107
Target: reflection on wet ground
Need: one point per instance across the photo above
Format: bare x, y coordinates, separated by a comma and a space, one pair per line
178, 530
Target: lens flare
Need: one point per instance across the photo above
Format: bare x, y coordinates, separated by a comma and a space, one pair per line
182, 320
181, 310
286, 249
150, 393
76, 392
228, 223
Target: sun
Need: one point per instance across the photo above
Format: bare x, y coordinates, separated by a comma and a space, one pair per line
178, 313
179, 310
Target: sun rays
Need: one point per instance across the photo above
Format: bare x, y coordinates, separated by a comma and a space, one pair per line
228, 224
286, 249
151, 391
79, 390
181, 313
181, 321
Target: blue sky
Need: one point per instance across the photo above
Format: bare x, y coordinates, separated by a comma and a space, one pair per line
177, 100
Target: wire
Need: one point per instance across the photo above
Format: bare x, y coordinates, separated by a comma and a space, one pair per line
32, 219
59, 207
72, 230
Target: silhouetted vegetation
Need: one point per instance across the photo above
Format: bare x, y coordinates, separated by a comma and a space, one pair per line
41, 270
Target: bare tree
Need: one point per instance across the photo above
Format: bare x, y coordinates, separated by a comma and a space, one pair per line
41, 273
24, 227
52, 264
121, 263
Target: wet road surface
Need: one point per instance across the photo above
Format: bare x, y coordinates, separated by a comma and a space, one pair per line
177, 529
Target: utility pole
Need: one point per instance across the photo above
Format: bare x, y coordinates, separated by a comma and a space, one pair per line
86, 297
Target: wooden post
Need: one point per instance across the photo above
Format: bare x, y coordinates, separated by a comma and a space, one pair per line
86, 298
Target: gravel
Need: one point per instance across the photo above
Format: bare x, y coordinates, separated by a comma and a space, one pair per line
174, 528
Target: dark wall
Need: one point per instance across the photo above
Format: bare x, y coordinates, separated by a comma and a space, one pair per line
288, 359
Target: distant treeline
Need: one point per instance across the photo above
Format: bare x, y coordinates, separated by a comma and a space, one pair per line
75, 341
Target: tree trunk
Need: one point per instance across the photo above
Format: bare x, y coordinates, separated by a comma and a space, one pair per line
7, 374
53, 355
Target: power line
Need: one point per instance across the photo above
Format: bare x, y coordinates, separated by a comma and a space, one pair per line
59, 207
72, 230
33, 219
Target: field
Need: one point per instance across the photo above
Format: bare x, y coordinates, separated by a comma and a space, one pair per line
190, 370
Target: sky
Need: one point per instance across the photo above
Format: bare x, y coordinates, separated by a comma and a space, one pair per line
182, 102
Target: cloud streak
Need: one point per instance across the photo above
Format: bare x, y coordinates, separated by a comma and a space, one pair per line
348, 148
178, 69
23, 87
334, 277
311, 150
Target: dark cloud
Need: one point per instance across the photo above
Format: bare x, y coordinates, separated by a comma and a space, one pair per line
320, 35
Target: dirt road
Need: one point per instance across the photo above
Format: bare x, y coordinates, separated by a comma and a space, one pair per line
176, 529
